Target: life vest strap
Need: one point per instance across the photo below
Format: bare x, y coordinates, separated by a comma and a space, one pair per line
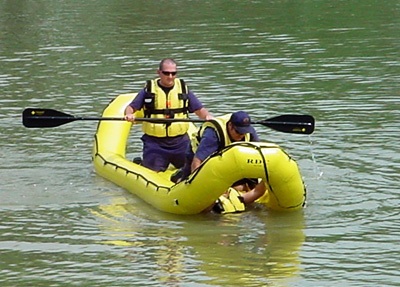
231, 204
149, 102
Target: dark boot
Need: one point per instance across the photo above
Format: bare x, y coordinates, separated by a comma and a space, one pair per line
177, 176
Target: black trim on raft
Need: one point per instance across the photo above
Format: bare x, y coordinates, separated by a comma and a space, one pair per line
192, 176
215, 154
305, 195
270, 187
128, 171
259, 149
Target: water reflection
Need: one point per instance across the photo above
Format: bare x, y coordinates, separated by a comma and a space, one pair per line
245, 249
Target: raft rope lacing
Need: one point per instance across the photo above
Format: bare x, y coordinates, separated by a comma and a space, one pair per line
128, 171
193, 175
259, 149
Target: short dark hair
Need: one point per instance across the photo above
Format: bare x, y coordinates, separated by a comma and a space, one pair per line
166, 60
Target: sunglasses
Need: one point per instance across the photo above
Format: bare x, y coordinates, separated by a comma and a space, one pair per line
169, 73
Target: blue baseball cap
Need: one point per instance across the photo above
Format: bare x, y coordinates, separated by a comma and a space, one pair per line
242, 122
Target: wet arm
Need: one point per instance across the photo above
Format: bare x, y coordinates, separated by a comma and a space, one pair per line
255, 193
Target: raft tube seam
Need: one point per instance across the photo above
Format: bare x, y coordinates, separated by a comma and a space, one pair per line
128, 171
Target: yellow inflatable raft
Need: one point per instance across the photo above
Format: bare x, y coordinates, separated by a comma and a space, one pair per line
267, 161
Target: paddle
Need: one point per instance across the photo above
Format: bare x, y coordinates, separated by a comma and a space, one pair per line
48, 118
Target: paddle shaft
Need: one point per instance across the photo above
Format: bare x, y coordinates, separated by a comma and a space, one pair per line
46, 118
166, 120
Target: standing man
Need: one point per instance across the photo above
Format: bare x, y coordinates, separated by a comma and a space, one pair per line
165, 97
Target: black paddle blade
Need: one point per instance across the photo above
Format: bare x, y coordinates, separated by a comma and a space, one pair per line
295, 124
44, 118
48, 118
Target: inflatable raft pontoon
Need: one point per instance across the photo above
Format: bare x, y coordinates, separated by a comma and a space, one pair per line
267, 161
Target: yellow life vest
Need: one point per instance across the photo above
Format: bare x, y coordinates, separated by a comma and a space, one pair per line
160, 105
230, 203
220, 125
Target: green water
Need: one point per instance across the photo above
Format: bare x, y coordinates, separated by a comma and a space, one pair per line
62, 225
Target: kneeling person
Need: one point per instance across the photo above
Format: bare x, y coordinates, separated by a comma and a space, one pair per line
214, 136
